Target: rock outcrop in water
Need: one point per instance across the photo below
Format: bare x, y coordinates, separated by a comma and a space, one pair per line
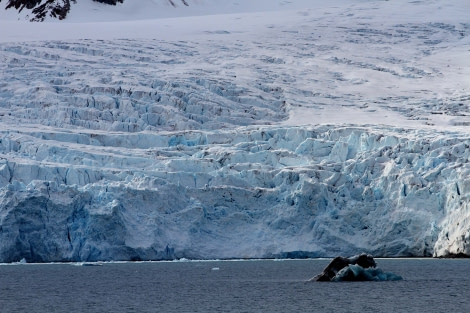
338, 263
357, 268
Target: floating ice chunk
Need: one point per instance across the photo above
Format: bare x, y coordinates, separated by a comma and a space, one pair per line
354, 272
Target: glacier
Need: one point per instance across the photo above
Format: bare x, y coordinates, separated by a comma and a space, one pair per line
298, 133
263, 192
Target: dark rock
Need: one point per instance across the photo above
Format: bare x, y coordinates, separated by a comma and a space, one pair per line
460, 255
112, 2
21, 4
53, 8
56, 8
337, 264
42, 8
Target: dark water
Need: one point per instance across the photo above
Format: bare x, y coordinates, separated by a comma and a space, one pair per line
429, 285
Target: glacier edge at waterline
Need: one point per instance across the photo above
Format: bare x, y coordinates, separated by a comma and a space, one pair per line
256, 193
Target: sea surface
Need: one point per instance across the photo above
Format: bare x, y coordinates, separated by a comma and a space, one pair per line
429, 285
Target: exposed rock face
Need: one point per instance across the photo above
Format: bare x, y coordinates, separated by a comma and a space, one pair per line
112, 2
52, 8
41, 9
21, 4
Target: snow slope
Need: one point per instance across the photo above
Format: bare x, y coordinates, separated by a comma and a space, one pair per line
309, 129
123, 10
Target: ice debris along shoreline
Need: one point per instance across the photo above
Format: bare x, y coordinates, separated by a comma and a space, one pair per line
252, 193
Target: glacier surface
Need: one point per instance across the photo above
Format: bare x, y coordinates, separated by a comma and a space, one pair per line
302, 133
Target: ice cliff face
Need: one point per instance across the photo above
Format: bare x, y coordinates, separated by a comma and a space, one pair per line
146, 149
262, 192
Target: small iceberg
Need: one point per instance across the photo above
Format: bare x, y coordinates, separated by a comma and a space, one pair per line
88, 264
354, 272
20, 262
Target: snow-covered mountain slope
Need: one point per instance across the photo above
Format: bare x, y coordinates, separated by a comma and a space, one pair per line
309, 132
120, 10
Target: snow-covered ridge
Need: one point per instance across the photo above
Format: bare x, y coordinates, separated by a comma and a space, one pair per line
311, 132
121, 10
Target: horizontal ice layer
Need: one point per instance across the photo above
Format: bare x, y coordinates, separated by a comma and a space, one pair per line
261, 192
